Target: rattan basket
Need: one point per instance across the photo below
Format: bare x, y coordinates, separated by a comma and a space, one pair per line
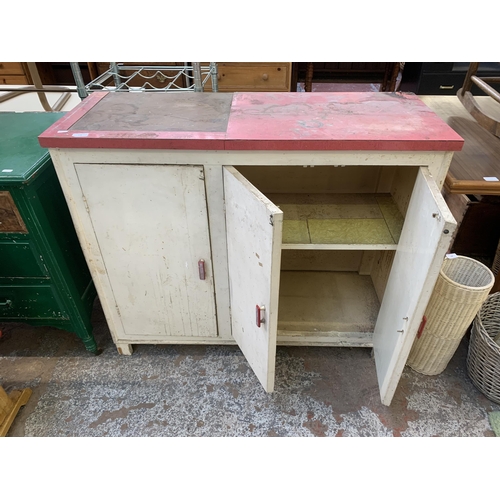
495, 267
483, 358
462, 286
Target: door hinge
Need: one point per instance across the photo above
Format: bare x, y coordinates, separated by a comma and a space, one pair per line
202, 175
271, 220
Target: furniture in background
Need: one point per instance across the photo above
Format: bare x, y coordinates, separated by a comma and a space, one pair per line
32, 76
253, 77
443, 78
383, 73
279, 219
472, 80
44, 279
230, 76
472, 185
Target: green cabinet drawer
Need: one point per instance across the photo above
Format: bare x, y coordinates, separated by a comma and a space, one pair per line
18, 259
29, 302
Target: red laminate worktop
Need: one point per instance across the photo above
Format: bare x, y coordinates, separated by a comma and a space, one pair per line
266, 121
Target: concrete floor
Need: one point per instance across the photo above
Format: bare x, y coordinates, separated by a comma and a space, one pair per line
211, 391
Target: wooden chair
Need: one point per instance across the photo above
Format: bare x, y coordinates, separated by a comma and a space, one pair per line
487, 121
40, 89
387, 83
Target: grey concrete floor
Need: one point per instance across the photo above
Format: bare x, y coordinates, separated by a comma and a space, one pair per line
181, 390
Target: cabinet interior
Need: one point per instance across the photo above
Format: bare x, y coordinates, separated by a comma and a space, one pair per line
341, 228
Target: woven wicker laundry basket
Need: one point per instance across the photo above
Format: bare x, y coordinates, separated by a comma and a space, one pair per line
462, 286
483, 358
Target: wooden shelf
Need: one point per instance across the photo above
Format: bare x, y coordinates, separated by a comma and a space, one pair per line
339, 221
323, 305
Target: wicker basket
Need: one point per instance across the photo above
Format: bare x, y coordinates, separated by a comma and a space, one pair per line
495, 267
483, 358
462, 286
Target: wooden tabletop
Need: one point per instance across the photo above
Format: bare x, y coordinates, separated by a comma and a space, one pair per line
480, 156
334, 121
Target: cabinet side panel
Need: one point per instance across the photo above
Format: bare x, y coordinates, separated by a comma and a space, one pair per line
152, 227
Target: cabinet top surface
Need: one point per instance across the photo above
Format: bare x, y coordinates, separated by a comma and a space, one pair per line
253, 121
20, 152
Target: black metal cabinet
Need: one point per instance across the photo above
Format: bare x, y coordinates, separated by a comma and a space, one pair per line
442, 78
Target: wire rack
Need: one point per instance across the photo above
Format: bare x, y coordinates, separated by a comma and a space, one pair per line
121, 78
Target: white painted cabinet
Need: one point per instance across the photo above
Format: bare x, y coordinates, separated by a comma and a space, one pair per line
323, 255
151, 226
329, 266
260, 220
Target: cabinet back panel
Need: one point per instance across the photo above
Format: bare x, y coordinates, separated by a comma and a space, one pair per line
326, 302
322, 260
323, 179
318, 179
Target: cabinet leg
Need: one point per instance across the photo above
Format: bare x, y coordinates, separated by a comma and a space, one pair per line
91, 345
125, 349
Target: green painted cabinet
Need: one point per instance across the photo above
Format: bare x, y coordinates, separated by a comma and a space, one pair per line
44, 279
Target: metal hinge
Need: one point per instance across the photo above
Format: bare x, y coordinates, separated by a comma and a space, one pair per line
271, 220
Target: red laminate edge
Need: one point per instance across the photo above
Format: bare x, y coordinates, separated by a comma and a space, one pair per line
312, 145
70, 118
283, 122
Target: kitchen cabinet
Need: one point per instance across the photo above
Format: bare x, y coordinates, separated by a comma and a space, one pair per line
260, 219
44, 279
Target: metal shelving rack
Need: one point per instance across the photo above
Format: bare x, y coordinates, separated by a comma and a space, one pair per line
188, 78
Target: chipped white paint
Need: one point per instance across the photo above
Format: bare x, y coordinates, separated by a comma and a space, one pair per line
254, 227
147, 220
421, 250
67, 163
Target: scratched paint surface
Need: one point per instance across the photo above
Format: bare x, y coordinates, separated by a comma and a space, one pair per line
371, 117
255, 120
211, 391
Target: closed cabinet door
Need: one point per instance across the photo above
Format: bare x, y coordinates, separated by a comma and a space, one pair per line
151, 225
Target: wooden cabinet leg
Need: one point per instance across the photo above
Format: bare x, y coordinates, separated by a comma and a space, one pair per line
125, 349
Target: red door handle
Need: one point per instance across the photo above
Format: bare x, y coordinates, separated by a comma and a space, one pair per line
421, 327
201, 269
259, 315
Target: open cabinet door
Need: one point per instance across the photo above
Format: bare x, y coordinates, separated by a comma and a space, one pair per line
424, 241
254, 230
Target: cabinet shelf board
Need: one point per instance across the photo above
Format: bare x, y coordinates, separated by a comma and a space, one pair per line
332, 339
326, 303
339, 221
